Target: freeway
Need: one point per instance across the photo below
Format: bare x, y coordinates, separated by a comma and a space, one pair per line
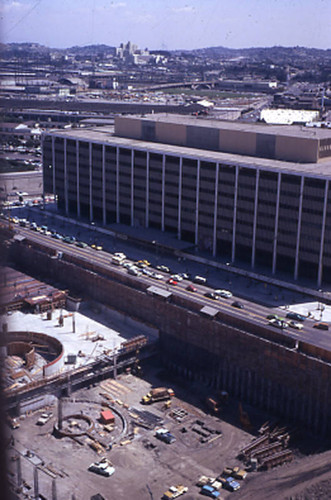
253, 312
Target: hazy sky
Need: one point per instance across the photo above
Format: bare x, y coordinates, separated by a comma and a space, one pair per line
168, 24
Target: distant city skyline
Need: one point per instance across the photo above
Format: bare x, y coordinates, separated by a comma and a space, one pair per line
168, 24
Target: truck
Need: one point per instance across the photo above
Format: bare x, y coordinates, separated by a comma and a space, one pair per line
209, 491
175, 492
157, 394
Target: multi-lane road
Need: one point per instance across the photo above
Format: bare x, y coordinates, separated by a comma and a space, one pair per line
252, 312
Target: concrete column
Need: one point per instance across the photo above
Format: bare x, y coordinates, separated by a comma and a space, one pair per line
36, 483
65, 178
163, 192
325, 416
132, 187
274, 251
54, 494
309, 415
53, 162
196, 239
256, 203
297, 248
77, 179
43, 164
147, 192
90, 179
179, 223
104, 216
117, 184
19, 471
320, 262
235, 201
115, 366
215, 210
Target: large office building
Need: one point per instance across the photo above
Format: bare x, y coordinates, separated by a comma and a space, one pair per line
252, 193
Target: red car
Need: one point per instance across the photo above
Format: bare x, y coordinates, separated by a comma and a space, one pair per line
191, 288
171, 281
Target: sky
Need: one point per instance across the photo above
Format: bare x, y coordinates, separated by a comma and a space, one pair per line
167, 24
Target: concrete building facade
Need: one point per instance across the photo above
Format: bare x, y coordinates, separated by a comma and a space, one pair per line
235, 191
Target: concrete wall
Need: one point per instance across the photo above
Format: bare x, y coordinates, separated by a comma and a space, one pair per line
28, 182
128, 127
296, 149
279, 378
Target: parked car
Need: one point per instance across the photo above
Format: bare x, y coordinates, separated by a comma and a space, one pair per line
165, 436
164, 269
81, 244
185, 276
104, 467
44, 418
95, 246
175, 492
176, 277
295, 316
211, 295
209, 491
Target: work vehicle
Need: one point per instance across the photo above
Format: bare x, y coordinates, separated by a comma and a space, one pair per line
165, 436
191, 288
157, 394
225, 294
295, 316
209, 491
295, 324
211, 295
44, 418
175, 492
199, 279
321, 326
104, 467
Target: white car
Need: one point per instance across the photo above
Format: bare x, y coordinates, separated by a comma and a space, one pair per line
295, 324
120, 255
157, 276
176, 277
104, 467
226, 294
44, 418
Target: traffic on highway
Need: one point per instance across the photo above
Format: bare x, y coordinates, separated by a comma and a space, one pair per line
177, 280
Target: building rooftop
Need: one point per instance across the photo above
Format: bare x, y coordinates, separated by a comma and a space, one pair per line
260, 127
105, 135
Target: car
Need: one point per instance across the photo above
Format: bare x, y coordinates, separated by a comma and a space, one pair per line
95, 246
295, 316
81, 244
68, 239
44, 418
321, 326
165, 436
209, 491
171, 281
237, 304
185, 276
273, 316
120, 255
104, 467
231, 484
191, 288
157, 276
147, 272
295, 324
239, 473
278, 323
211, 295
57, 236
135, 271
199, 279
164, 269
176, 277
175, 492
225, 294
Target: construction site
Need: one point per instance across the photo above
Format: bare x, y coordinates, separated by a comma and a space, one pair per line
84, 346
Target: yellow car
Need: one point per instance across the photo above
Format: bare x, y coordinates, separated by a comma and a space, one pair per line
174, 492
96, 247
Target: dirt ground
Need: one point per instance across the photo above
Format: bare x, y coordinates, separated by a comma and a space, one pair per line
145, 467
